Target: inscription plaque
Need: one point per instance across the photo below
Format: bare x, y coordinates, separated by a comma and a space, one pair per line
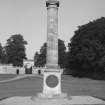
52, 81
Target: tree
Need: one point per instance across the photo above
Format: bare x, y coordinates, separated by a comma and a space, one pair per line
61, 53
1, 52
15, 50
36, 56
40, 58
87, 49
4, 58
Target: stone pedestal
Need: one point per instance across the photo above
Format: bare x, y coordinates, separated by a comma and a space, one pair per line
51, 85
52, 82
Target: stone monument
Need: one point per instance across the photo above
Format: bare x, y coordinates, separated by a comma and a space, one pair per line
52, 73
52, 94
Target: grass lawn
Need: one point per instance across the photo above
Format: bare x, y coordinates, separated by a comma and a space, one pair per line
73, 86
6, 76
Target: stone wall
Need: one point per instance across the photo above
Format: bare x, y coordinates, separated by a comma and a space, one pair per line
9, 69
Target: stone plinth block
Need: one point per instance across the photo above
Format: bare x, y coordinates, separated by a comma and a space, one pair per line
52, 82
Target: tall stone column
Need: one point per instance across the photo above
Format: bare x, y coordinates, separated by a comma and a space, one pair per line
52, 73
52, 33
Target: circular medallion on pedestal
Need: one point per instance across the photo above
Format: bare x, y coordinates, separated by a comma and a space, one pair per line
52, 81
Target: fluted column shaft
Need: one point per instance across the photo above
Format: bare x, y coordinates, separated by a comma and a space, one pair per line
52, 34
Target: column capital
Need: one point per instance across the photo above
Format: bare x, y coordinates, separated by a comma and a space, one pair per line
52, 3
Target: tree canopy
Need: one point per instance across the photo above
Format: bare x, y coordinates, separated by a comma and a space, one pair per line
40, 58
1, 53
87, 48
15, 50
61, 53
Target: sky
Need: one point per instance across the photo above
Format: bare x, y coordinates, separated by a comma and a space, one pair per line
29, 18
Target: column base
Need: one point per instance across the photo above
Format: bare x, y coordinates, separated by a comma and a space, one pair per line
52, 96
52, 82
